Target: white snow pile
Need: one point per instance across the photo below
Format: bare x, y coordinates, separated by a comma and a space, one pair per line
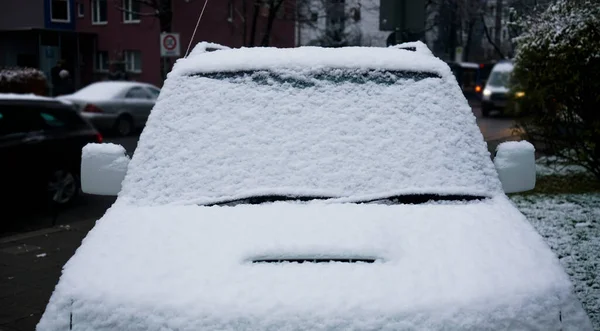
103, 167
309, 57
475, 266
570, 224
203, 47
552, 165
419, 47
343, 132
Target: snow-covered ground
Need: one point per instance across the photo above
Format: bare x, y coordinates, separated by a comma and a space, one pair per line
570, 224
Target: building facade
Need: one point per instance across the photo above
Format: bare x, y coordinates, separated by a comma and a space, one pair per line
96, 37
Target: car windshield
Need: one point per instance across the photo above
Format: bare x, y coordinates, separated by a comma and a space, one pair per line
499, 78
321, 132
294, 79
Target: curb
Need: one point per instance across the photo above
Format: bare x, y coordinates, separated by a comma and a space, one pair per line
29, 235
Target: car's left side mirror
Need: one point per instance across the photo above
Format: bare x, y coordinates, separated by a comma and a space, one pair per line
103, 168
515, 163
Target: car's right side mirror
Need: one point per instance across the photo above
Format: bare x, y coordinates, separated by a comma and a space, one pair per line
103, 168
515, 163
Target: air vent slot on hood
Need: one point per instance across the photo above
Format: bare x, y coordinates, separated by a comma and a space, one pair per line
315, 260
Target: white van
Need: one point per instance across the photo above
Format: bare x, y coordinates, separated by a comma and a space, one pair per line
496, 92
312, 189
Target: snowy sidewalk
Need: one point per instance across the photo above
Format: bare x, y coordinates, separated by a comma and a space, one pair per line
30, 265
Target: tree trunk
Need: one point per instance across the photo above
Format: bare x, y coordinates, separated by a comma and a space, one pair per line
274, 6
467, 49
165, 15
245, 25
498, 27
165, 18
452, 36
489, 38
254, 22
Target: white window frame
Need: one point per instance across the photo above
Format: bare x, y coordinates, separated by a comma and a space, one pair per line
68, 20
80, 9
128, 12
97, 61
95, 9
129, 59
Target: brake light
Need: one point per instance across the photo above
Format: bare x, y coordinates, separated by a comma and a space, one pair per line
90, 108
477, 88
99, 138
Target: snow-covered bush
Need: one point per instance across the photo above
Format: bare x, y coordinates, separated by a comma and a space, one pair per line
557, 65
22, 80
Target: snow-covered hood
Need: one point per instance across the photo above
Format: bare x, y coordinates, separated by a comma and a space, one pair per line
467, 266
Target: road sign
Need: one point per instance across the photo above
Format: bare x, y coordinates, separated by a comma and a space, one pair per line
169, 45
458, 54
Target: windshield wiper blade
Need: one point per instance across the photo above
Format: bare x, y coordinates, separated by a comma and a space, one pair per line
256, 200
424, 198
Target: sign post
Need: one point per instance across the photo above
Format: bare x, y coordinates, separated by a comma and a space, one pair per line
170, 45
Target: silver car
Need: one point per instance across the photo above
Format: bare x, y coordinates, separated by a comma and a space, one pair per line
118, 106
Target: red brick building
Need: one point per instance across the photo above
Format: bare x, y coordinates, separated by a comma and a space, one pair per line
131, 38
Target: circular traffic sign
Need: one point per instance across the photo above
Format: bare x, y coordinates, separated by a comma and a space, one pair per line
169, 42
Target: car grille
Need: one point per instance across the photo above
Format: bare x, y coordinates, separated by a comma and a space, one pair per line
498, 97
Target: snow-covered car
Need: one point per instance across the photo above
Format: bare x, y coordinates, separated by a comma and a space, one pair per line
312, 189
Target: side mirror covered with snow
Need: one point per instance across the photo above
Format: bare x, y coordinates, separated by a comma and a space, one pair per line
515, 163
103, 168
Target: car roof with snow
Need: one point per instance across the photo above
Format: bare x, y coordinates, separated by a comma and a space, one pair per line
28, 98
352, 122
104, 90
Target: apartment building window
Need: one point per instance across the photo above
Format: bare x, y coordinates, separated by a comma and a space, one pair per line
133, 61
99, 12
80, 9
131, 11
59, 11
101, 61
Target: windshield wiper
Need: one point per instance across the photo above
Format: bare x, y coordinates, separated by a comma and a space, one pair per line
395, 199
256, 200
424, 198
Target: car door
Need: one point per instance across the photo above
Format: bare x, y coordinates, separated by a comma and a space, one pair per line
140, 102
24, 156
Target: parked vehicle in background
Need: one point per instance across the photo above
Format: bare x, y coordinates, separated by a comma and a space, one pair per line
118, 106
496, 94
471, 78
40, 147
341, 189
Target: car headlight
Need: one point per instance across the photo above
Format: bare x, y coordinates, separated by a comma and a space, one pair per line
487, 92
520, 94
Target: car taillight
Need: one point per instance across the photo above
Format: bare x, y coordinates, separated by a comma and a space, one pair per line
90, 108
99, 138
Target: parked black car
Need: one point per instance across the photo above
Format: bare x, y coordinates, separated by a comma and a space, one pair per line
40, 151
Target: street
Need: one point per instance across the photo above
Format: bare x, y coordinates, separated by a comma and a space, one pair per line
34, 251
